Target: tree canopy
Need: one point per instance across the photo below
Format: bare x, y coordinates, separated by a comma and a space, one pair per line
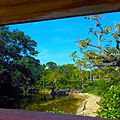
103, 48
101, 57
18, 65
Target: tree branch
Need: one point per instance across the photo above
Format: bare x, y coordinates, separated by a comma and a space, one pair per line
117, 44
99, 47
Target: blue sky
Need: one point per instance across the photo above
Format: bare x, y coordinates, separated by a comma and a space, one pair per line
56, 39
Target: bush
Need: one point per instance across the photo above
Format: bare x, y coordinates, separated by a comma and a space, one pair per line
101, 86
98, 87
110, 103
87, 89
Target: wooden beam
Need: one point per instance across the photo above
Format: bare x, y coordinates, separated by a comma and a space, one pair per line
10, 114
18, 11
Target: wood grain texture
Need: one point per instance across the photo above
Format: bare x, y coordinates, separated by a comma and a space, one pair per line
9, 114
17, 11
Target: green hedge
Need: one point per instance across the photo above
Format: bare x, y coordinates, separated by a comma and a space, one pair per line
110, 103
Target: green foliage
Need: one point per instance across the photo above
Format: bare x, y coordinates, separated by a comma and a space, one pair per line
83, 43
88, 89
110, 103
18, 65
98, 87
99, 48
60, 77
101, 86
51, 65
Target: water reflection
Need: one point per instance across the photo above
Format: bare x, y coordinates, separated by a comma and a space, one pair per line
46, 103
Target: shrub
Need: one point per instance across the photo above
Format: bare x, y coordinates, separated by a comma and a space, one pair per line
110, 103
87, 89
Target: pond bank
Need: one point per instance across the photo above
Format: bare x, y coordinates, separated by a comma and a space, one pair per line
89, 106
75, 103
62, 105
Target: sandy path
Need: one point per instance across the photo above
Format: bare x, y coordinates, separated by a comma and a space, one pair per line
89, 107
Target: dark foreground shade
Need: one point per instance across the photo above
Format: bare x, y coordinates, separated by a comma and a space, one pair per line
9, 114
18, 11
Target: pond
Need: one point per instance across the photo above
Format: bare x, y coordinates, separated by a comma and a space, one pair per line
45, 103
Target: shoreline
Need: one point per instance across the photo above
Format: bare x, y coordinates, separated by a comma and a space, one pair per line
89, 106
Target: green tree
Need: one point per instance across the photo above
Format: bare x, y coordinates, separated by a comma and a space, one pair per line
51, 65
100, 52
70, 76
101, 56
18, 65
110, 103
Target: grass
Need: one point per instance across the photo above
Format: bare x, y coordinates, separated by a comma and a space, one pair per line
67, 105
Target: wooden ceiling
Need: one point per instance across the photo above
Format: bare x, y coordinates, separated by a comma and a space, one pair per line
19, 11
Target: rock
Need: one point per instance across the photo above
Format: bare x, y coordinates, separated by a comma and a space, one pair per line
89, 106
59, 93
81, 108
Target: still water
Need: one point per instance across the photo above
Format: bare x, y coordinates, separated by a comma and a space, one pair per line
45, 103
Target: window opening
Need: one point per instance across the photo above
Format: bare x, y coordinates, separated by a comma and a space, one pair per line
66, 66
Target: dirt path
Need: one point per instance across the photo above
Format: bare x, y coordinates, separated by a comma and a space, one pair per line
89, 106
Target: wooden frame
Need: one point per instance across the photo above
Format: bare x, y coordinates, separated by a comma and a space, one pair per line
19, 11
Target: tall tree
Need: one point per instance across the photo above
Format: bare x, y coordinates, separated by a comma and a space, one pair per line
104, 51
18, 65
51, 65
